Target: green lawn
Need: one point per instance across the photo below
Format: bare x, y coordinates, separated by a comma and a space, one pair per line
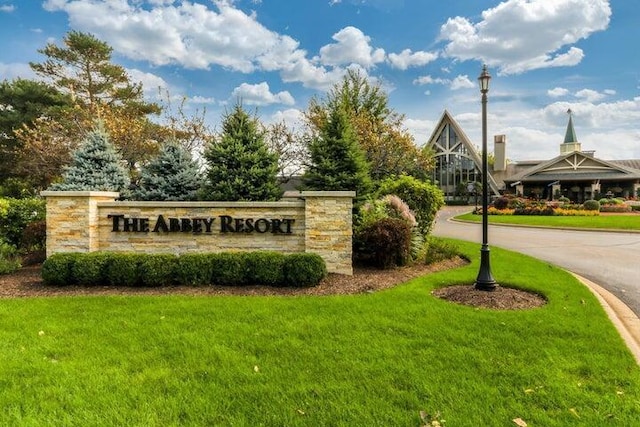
612, 222
366, 360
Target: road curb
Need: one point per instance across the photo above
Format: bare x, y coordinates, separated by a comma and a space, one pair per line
625, 320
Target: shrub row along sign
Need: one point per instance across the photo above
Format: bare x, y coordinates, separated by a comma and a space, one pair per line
225, 224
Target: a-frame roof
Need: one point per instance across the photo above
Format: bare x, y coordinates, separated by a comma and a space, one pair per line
575, 166
447, 118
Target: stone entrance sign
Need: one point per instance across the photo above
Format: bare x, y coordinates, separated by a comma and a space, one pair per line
309, 221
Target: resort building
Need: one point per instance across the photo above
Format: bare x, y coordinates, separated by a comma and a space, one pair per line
574, 173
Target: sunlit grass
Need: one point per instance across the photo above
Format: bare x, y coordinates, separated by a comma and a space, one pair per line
365, 360
620, 222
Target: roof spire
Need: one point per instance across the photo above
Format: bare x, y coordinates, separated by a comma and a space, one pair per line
570, 135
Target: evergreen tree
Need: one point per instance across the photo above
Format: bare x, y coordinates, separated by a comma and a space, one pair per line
96, 166
337, 162
173, 175
240, 166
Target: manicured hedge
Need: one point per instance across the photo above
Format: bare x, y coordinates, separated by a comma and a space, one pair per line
225, 269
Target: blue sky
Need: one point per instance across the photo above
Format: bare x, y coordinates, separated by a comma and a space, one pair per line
545, 56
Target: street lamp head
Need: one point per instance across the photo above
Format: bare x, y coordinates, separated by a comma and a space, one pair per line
484, 79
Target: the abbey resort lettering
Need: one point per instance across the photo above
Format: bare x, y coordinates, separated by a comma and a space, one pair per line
222, 223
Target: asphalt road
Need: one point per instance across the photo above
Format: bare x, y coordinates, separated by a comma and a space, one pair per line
610, 259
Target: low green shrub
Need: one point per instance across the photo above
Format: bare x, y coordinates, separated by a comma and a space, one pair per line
90, 268
123, 269
439, 250
228, 269
194, 269
304, 269
157, 269
264, 268
57, 269
9, 261
591, 205
16, 214
564, 199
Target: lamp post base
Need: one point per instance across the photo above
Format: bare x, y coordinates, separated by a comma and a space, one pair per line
485, 281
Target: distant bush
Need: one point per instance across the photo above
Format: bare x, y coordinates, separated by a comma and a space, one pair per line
385, 243
564, 199
304, 269
591, 205
228, 268
194, 270
440, 250
501, 203
16, 215
265, 268
123, 269
423, 198
57, 270
90, 268
9, 261
157, 269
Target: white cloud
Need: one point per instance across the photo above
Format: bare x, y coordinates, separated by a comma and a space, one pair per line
202, 100
428, 80
522, 35
17, 70
407, 58
461, 82
152, 84
557, 92
420, 129
292, 117
194, 36
589, 95
260, 94
352, 47
8, 8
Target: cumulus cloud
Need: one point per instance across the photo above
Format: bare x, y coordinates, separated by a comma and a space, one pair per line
408, 58
352, 47
260, 94
7, 8
589, 95
557, 92
17, 70
459, 82
523, 35
151, 83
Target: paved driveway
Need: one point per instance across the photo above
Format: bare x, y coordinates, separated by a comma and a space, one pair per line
609, 259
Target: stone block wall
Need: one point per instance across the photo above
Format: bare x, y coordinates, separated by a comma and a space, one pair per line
313, 221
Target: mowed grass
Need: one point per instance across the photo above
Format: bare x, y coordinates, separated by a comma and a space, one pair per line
611, 222
366, 360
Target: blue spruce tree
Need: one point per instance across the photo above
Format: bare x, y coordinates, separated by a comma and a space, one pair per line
95, 166
173, 175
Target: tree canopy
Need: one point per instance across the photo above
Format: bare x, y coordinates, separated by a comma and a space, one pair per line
388, 146
239, 164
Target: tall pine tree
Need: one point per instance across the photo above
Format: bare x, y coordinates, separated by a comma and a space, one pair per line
240, 166
173, 175
96, 166
337, 162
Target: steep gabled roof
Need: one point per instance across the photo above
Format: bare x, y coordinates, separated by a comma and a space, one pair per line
445, 119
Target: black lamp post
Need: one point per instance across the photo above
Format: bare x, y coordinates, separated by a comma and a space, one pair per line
485, 281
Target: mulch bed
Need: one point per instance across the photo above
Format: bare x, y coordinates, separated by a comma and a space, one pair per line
27, 282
